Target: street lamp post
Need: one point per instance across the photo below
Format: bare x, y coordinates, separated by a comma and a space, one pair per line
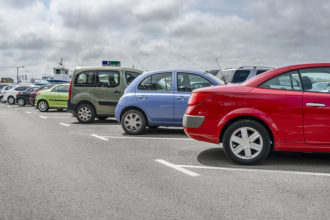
17, 73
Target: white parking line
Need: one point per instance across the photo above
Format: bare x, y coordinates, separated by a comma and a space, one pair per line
177, 167
66, 125
28, 112
147, 138
99, 137
43, 117
257, 170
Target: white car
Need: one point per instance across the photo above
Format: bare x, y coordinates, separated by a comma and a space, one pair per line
10, 95
3, 90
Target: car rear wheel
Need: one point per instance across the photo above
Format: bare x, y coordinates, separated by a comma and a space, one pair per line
43, 106
246, 142
21, 102
85, 113
133, 122
11, 100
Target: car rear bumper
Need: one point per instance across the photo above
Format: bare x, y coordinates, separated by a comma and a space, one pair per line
71, 107
192, 121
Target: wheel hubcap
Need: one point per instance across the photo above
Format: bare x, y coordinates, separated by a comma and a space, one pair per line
84, 114
132, 122
246, 143
11, 100
42, 106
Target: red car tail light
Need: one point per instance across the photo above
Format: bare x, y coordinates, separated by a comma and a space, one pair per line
197, 98
17, 94
38, 93
70, 90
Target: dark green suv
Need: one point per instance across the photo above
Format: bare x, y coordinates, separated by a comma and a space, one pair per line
95, 91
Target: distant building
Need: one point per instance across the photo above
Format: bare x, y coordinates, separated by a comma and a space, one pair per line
6, 80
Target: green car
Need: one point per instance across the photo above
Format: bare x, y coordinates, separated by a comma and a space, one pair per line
53, 98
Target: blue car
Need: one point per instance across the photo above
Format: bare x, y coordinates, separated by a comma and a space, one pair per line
159, 98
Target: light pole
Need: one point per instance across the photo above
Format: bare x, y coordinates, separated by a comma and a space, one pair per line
17, 73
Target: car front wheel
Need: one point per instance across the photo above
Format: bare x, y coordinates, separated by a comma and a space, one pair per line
133, 122
43, 106
246, 142
21, 102
85, 113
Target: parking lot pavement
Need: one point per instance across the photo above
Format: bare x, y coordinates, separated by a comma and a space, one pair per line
52, 167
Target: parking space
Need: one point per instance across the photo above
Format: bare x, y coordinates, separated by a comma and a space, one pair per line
163, 169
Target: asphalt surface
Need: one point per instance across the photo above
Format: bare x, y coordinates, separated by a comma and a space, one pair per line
52, 167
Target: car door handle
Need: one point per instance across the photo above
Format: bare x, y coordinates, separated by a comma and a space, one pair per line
142, 97
180, 98
315, 104
116, 91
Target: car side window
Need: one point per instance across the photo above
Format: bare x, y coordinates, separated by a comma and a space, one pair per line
130, 76
21, 88
55, 89
187, 82
85, 79
285, 81
240, 76
108, 79
64, 88
316, 79
157, 82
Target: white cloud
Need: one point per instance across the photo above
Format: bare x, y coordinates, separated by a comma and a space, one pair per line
160, 33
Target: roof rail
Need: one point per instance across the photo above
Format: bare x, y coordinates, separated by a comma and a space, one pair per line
254, 67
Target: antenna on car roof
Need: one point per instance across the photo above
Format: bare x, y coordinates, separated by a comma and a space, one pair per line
143, 67
191, 61
220, 70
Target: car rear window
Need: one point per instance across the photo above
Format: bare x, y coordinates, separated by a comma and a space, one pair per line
130, 76
240, 76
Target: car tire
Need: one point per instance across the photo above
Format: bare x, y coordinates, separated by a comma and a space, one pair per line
133, 122
21, 102
43, 106
102, 117
85, 113
11, 100
246, 142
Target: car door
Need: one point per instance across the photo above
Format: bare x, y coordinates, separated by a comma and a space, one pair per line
108, 90
53, 97
62, 96
155, 97
185, 84
280, 99
316, 105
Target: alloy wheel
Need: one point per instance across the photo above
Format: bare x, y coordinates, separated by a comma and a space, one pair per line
246, 143
43, 106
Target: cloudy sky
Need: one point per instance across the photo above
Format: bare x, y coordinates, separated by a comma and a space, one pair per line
161, 34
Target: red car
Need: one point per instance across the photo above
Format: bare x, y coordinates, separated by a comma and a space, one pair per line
285, 109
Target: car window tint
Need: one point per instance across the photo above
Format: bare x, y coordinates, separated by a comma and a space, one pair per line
260, 71
108, 79
130, 76
240, 76
55, 89
285, 81
316, 79
187, 82
64, 88
85, 79
157, 82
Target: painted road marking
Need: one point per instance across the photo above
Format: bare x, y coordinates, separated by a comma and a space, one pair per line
147, 138
177, 167
28, 112
66, 125
257, 170
99, 137
43, 117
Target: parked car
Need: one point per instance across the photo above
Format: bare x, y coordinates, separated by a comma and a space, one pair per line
279, 110
34, 93
54, 98
10, 95
241, 74
23, 98
3, 91
95, 91
159, 98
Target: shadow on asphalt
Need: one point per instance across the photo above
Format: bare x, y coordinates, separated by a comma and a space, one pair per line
291, 161
99, 122
162, 132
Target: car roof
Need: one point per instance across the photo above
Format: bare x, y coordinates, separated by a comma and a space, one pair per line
105, 68
254, 82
